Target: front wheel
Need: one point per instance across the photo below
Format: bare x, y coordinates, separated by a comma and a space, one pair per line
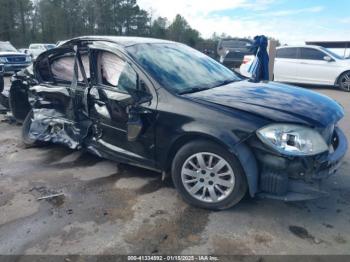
344, 81
208, 176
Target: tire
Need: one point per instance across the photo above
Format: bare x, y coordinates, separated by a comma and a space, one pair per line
344, 81
27, 141
1, 83
209, 178
18, 102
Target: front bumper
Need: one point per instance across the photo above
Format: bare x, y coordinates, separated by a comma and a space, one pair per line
294, 179
15, 67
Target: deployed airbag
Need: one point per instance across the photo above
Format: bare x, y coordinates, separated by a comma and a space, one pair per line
63, 68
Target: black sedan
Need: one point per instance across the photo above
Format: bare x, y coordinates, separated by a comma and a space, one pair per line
166, 107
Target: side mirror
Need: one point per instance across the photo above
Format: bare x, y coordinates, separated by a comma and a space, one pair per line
140, 95
328, 58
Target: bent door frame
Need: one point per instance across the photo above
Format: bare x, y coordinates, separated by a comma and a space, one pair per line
126, 154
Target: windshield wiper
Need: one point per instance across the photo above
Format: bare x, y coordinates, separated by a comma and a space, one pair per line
226, 82
198, 89
193, 90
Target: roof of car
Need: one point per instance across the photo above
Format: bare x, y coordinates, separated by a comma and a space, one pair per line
120, 40
298, 46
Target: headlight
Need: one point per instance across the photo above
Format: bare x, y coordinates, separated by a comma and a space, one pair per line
293, 140
3, 60
28, 58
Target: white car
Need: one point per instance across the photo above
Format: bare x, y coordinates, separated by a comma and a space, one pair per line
36, 49
307, 65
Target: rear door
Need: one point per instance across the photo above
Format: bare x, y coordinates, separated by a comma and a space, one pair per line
59, 100
314, 69
286, 65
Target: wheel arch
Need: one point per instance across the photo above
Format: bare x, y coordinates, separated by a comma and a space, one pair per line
240, 150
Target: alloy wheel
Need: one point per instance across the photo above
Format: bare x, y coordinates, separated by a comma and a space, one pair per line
345, 81
208, 177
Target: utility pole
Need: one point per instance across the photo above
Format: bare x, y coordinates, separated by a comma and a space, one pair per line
271, 50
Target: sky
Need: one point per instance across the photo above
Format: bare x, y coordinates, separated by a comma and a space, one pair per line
290, 21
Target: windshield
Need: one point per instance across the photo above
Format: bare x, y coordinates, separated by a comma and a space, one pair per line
181, 68
7, 47
332, 53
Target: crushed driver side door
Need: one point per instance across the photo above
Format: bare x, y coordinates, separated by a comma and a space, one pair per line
59, 101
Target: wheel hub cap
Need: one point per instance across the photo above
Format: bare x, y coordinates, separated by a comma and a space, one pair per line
207, 177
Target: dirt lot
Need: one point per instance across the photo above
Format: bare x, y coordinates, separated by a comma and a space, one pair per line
110, 208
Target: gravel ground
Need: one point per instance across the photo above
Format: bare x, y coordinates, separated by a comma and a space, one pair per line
109, 208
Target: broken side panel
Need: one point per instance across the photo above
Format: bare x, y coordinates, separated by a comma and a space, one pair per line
55, 118
50, 126
59, 109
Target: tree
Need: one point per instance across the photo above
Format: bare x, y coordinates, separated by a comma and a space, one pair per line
15, 20
27, 21
181, 31
159, 27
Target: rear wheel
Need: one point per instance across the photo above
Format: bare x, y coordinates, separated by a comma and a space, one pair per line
18, 100
208, 176
344, 81
1, 83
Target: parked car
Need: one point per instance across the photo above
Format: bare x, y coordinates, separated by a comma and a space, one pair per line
23, 50
11, 59
36, 49
308, 65
232, 50
167, 107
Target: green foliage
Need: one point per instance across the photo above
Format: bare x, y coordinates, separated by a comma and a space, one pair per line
15, 19
159, 28
180, 31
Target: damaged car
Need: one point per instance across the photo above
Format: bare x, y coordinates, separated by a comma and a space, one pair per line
166, 107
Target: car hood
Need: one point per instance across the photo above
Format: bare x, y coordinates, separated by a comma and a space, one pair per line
10, 53
274, 101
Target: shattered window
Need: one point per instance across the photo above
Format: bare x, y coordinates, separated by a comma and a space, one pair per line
117, 73
63, 68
